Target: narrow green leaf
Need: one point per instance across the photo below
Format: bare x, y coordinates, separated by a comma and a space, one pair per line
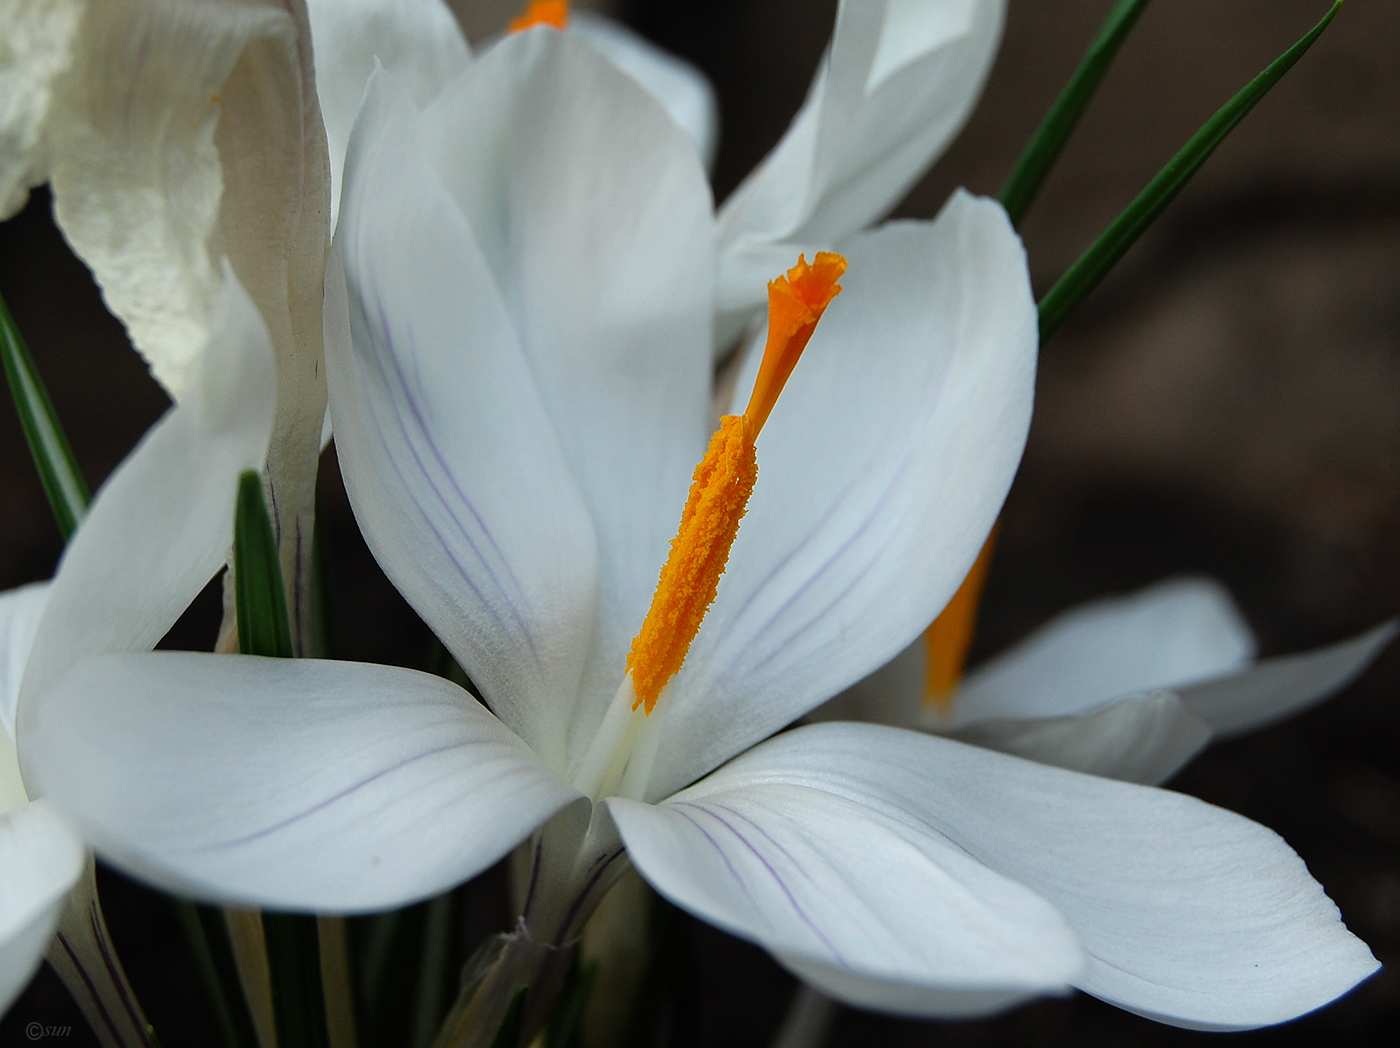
263, 626
294, 957
207, 937
58, 469
293, 940
1044, 147
562, 1031
509, 1032
1095, 263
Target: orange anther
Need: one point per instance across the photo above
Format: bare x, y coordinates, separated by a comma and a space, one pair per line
723, 481
948, 638
542, 12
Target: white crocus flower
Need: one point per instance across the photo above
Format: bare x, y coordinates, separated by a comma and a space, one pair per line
1129, 687
180, 137
897, 83
157, 531
519, 397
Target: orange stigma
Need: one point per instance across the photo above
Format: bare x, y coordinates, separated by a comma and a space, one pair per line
796, 302
723, 481
947, 640
542, 12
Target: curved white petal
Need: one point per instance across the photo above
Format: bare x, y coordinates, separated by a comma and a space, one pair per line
683, 91
881, 471
40, 858
1280, 687
162, 524
36, 42
1175, 632
418, 41
449, 460
293, 784
899, 80
865, 902
1189, 914
531, 310
20, 612
1141, 738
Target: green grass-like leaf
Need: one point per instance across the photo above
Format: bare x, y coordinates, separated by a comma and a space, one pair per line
1095, 263
1044, 147
58, 469
263, 625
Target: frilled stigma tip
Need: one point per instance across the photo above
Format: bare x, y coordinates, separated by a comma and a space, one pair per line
796, 302
723, 481
947, 640
541, 12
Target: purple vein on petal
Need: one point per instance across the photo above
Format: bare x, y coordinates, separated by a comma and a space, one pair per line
335, 797
772, 872
420, 426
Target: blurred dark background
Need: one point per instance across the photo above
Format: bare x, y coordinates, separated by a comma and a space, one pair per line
1228, 403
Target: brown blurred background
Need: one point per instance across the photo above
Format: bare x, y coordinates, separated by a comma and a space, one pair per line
1228, 402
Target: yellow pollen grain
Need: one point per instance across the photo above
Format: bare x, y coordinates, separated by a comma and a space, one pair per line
948, 638
722, 483
541, 12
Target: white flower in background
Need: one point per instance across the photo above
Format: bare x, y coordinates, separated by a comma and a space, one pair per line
1129, 687
158, 530
524, 384
898, 81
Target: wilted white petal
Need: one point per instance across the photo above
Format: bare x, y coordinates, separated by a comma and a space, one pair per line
881, 471
136, 174
1173, 633
36, 41
898, 81
683, 91
333, 786
418, 41
40, 858
162, 524
1141, 738
1277, 688
1189, 914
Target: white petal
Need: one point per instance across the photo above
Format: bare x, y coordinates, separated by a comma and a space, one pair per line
1173, 633
859, 898
683, 91
418, 41
162, 524
1189, 914
881, 471
1278, 688
37, 45
40, 858
899, 80
449, 459
294, 784
20, 611
137, 179
575, 251
1142, 738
